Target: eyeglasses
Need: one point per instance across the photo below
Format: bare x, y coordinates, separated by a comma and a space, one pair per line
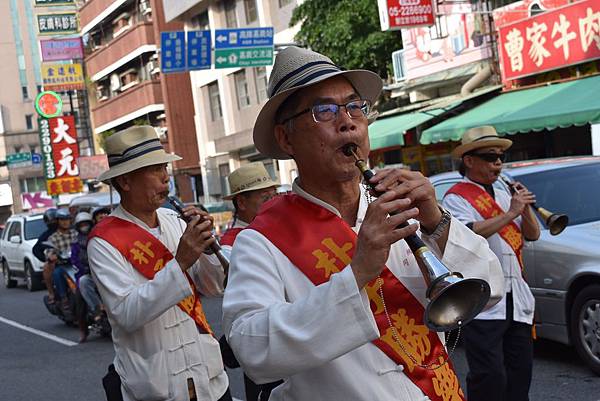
490, 157
329, 111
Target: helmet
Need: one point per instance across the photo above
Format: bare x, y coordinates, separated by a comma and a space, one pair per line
83, 217
50, 216
63, 214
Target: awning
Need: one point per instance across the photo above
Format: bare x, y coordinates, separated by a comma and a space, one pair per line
547, 107
386, 132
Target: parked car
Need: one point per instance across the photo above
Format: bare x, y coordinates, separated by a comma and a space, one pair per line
563, 271
16, 256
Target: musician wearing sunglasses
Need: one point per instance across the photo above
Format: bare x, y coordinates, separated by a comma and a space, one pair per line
324, 293
498, 342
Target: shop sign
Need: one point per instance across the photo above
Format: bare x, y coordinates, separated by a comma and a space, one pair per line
47, 3
62, 77
36, 200
57, 23
48, 104
63, 138
46, 147
398, 14
554, 39
61, 49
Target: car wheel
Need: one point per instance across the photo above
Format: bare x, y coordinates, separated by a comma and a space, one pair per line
585, 326
32, 279
9, 282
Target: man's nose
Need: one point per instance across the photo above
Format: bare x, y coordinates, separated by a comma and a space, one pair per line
344, 121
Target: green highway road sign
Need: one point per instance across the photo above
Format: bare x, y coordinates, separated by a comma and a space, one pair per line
249, 57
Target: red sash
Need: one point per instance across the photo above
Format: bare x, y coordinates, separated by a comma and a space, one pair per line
229, 237
319, 243
147, 255
487, 207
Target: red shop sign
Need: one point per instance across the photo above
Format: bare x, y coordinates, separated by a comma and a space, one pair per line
65, 151
397, 14
554, 39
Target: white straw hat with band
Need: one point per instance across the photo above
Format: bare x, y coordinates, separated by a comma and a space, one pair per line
296, 68
249, 177
480, 137
132, 149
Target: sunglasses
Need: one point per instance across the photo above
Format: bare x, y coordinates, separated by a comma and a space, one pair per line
490, 157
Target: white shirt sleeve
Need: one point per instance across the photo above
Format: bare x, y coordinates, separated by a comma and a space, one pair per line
274, 338
208, 275
131, 300
460, 208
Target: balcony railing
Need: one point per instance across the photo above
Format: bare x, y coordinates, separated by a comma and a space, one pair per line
141, 95
123, 45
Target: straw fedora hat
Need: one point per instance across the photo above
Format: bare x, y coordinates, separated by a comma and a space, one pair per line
296, 68
249, 177
132, 149
480, 137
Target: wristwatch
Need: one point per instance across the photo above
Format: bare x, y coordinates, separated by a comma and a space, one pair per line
441, 227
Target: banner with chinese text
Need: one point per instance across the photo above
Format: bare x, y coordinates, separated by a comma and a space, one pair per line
57, 23
65, 151
62, 77
554, 39
397, 14
61, 49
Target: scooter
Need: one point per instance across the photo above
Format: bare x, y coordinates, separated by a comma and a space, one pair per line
56, 308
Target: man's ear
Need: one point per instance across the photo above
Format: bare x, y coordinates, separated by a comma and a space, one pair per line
468, 161
283, 139
123, 182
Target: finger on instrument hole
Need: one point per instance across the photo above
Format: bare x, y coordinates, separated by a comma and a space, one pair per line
404, 232
402, 217
396, 205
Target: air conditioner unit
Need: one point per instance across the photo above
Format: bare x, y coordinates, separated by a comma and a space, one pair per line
399, 65
145, 7
115, 83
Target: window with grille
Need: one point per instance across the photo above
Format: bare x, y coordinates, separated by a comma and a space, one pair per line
215, 101
241, 87
251, 11
261, 84
230, 17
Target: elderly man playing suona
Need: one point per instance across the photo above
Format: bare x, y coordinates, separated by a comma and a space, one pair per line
320, 274
150, 270
498, 343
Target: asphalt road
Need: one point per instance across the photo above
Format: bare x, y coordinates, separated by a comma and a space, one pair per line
35, 367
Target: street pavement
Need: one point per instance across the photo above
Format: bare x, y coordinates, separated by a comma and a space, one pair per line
37, 366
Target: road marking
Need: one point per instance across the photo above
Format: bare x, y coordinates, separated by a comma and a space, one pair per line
40, 333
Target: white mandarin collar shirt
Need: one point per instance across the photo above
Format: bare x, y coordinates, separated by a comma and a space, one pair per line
318, 338
523, 300
157, 345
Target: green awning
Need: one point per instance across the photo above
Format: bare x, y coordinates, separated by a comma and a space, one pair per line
389, 131
547, 107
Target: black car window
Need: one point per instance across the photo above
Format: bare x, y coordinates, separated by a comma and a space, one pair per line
34, 228
5, 232
573, 191
15, 229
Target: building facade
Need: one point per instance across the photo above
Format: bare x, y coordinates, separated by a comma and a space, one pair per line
122, 39
227, 101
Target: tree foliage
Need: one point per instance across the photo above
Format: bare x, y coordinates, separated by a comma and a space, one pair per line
348, 32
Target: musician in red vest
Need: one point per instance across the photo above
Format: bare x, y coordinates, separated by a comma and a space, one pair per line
250, 187
150, 269
499, 345
323, 291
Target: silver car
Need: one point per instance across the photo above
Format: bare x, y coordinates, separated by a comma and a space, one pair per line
563, 271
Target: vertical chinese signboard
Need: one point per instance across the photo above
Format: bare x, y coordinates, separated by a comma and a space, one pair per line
60, 152
554, 39
397, 14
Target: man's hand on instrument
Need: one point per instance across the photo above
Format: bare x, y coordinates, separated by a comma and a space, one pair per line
191, 211
414, 186
196, 238
378, 232
520, 199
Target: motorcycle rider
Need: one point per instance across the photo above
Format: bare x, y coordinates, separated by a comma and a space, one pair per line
85, 285
62, 240
39, 247
100, 212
